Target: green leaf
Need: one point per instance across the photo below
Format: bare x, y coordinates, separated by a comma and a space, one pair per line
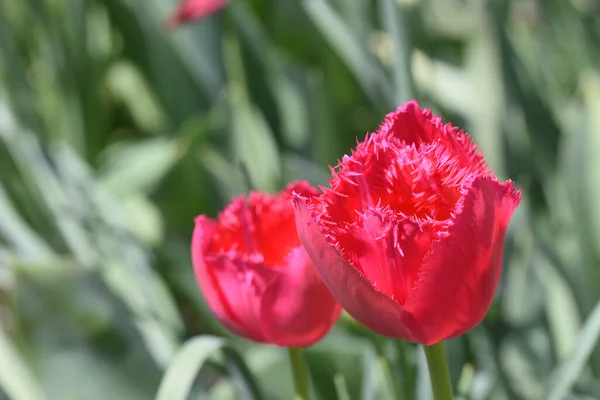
341, 388
561, 309
287, 93
146, 220
271, 369
137, 167
226, 176
423, 386
445, 83
567, 373
363, 65
181, 373
17, 381
373, 377
298, 168
393, 22
483, 67
18, 234
129, 86
252, 143
246, 385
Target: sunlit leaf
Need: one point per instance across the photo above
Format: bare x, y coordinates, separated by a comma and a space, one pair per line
18, 381
179, 377
566, 374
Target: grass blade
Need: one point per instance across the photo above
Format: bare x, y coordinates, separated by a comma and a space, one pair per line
16, 232
245, 383
391, 16
181, 373
567, 373
370, 76
17, 381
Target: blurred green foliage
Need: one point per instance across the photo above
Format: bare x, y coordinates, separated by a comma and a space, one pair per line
114, 134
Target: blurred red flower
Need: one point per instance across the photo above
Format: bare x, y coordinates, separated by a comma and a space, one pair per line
189, 10
255, 275
409, 237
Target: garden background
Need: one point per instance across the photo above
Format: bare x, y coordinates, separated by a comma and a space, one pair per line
115, 133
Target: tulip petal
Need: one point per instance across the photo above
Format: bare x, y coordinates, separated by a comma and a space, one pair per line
297, 309
232, 287
203, 231
346, 283
243, 284
189, 10
416, 126
457, 281
388, 251
410, 124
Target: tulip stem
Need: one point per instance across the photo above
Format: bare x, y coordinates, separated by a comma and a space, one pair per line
299, 371
438, 371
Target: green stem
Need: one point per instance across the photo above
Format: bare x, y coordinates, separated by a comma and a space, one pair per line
299, 371
438, 371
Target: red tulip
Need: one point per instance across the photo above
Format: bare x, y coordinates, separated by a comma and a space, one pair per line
189, 10
256, 277
409, 237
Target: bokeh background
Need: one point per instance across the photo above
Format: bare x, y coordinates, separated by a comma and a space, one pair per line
115, 133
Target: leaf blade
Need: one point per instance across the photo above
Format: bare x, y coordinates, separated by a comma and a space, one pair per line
179, 377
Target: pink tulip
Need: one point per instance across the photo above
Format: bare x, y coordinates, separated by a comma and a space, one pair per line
190, 10
409, 237
256, 277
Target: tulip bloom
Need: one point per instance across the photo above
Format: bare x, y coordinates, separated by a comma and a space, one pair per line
256, 277
190, 10
409, 237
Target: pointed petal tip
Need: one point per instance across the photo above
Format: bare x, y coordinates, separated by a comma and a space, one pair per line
412, 103
202, 222
513, 192
301, 189
411, 106
506, 190
190, 10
